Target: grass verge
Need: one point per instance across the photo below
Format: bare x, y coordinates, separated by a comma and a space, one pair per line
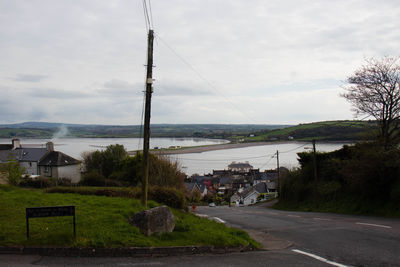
344, 206
102, 221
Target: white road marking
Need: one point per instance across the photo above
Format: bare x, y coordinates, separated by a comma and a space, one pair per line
218, 220
319, 258
322, 219
376, 225
296, 216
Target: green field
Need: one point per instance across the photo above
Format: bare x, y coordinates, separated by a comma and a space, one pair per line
46, 130
323, 131
101, 222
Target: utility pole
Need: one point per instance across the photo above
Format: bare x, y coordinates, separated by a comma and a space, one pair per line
315, 175
147, 114
279, 178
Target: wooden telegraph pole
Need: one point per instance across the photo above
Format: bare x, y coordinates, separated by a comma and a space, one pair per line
279, 178
146, 135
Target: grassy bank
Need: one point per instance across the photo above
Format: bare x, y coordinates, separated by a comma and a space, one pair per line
344, 206
101, 222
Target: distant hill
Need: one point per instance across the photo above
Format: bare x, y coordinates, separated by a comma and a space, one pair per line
347, 130
48, 130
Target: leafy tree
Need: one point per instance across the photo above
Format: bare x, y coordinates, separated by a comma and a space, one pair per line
14, 171
164, 172
107, 161
374, 89
115, 164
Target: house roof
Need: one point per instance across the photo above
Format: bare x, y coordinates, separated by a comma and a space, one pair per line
202, 188
261, 188
221, 172
239, 165
225, 180
30, 154
201, 179
267, 176
57, 158
6, 146
5, 155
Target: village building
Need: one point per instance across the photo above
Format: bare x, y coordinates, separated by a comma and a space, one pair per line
241, 167
42, 161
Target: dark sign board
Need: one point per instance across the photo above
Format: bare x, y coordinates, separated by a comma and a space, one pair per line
50, 211
56, 211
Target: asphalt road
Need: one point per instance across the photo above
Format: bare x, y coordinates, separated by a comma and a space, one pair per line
344, 239
291, 239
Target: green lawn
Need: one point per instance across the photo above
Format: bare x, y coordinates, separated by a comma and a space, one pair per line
101, 222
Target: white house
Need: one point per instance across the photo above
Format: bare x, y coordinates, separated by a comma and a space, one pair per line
240, 167
59, 165
249, 195
42, 160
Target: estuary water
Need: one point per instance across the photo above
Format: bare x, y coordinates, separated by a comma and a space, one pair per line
262, 157
75, 146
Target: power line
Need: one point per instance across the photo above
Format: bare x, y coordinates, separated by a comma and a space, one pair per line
226, 159
146, 17
265, 164
148, 21
203, 78
290, 150
151, 14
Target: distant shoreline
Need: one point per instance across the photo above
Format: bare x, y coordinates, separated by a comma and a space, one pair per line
207, 148
201, 149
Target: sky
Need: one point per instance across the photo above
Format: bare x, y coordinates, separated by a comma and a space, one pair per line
216, 61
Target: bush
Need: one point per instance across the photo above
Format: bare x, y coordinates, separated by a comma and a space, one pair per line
168, 196
93, 178
115, 164
350, 179
105, 162
13, 171
39, 182
165, 195
64, 182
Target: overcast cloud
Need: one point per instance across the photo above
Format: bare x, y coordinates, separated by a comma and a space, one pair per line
266, 62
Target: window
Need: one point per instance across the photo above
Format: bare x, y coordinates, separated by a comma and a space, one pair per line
46, 169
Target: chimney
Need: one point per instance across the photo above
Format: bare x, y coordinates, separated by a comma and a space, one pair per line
16, 143
50, 146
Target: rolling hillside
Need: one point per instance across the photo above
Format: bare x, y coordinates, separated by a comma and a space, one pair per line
324, 131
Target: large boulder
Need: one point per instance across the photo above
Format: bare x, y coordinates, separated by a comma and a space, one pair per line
156, 220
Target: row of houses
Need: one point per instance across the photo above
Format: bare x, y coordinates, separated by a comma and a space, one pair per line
41, 160
241, 182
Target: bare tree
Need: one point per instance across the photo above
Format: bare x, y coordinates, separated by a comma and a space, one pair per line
374, 89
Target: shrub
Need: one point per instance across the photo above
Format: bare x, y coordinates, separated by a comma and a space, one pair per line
93, 178
13, 171
105, 162
39, 182
169, 196
64, 182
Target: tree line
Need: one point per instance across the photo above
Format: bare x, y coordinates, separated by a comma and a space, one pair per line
363, 178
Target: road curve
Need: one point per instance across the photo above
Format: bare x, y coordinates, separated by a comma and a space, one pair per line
342, 239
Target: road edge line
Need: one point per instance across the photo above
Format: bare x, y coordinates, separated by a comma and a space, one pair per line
319, 258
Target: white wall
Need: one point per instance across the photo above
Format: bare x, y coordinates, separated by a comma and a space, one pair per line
251, 199
29, 168
72, 172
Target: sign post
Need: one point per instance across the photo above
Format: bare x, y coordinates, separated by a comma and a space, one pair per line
39, 212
